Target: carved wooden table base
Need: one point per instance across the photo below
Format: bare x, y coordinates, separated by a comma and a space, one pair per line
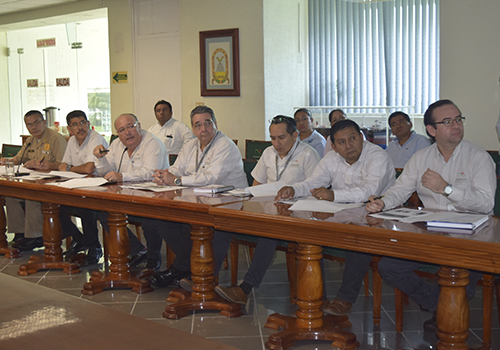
52, 258
310, 324
203, 296
119, 275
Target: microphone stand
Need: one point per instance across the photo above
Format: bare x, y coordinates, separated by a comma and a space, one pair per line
121, 159
17, 174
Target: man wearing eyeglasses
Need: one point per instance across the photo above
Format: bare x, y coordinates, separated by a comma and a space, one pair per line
43, 150
210, 158
173, 133
288, 160
407, 142
79, 158
452, 174
134, 158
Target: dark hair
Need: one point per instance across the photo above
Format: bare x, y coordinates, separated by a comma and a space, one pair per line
429, 114
333, 111
163, 102
305, 110
75, 114
291, 124
202, 110
341, 125
395, 114
33, 112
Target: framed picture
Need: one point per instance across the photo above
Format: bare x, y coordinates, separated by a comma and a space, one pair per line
220, 63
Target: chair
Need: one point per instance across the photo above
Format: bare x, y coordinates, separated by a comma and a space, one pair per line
172, 158
248, 165
9, 151
254, 148
112, 138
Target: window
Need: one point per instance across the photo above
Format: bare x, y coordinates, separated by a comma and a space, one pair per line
374, 53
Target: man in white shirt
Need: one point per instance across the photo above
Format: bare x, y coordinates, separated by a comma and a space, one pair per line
134, 158
79, 158
210, 158
452, 174
407, 142
288, 160
173, 133
355, 169
306, 132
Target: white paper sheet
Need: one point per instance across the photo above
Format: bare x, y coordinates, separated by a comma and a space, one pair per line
152, 186
322, 206
79, 183
67, 174
269, 189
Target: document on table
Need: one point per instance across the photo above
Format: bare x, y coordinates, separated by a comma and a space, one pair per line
322, 206
79, 183
414, 215
152, 186
263, 190
67, 174
37, 175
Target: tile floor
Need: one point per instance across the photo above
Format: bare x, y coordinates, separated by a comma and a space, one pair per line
247, 332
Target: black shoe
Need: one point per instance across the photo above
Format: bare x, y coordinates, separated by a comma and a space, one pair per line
18, 237
153, 264
74, 248
431, 325
30, 243
168, 277
138, 258
94, 254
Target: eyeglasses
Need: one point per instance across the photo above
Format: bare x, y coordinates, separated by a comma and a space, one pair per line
281, 119
80, 123
35, 123
206, 124
448, 122
128, 127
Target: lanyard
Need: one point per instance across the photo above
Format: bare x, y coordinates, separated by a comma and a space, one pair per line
205, 151
278, 175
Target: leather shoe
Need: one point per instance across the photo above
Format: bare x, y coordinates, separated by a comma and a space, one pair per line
153, 264
233, 294
18, 237
338, 307
30, 243
94, 254
74, 248
431, 325
168, 277
138, 258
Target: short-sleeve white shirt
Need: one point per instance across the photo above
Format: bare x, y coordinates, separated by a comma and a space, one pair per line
173, 133
76, 154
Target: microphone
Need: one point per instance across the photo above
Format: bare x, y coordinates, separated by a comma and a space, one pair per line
121, 159
21, 161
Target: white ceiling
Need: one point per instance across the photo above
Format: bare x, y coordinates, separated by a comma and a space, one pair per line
10, 6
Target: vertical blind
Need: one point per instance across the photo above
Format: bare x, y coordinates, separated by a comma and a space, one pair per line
379, 53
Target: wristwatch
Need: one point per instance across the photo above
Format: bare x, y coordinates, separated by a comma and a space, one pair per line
68, 167
178, 181
448, 190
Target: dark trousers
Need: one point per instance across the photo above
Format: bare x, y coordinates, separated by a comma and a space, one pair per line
90, 236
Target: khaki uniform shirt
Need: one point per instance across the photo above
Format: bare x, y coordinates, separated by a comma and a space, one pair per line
50, 147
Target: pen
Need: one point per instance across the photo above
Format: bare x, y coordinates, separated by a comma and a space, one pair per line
104, 151
41, 161
379, 197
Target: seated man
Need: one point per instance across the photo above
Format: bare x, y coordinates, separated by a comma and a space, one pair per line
43, 150
306, 132
452, 174
173, 133
210, 158
353, 171
80, 159
134, 158
288, 160
335, 115
407, 142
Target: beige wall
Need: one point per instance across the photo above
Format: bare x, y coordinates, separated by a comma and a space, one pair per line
238, 117
4, 91
470, 65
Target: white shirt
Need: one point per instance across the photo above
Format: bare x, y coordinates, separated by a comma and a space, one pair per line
219, 163
149, 155
470, 171
372, 174
173, 133
400, 155
295, 167
316, 141
76, 155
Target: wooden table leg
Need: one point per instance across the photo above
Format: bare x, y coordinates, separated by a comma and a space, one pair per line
452, 314
52, 257
4, 246
310, 324
203, 296
119, 275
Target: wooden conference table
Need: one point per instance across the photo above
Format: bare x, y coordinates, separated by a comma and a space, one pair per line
350, 229
353, 229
